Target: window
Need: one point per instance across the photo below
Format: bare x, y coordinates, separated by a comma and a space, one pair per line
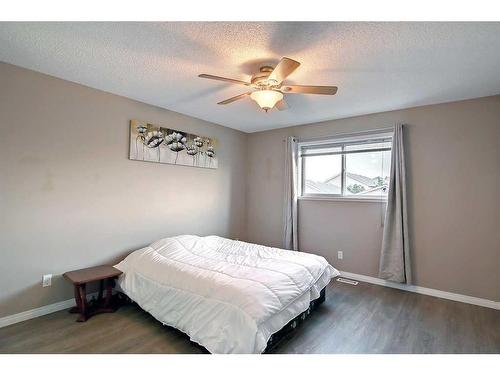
348, 167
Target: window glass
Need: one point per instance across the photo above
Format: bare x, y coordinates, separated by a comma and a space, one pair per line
350, 167
322, 174
367, 173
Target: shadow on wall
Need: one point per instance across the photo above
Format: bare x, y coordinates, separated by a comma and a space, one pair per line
60, 290
37, 295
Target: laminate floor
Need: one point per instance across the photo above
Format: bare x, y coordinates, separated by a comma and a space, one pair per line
354, 319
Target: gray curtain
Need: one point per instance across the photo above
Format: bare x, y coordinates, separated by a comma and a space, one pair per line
395, 255
290, 239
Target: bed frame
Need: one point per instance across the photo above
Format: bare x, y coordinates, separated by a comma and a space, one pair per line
292, 325
276, 337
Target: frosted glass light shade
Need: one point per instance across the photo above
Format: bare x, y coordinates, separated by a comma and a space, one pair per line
266, 99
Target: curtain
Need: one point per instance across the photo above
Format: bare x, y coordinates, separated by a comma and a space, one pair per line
290, 238
395, 253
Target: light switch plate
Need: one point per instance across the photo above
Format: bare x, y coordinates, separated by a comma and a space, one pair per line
340, 255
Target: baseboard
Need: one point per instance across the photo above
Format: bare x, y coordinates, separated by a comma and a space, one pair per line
39, 311
58, 306
427, 291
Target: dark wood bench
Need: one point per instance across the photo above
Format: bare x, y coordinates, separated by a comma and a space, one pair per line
106, 276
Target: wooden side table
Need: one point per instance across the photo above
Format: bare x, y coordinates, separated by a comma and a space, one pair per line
80, 278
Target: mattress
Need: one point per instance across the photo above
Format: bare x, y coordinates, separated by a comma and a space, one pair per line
228, 296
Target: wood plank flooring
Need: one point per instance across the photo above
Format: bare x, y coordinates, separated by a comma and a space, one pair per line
354, 319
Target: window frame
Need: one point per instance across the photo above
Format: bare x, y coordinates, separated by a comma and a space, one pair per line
340, 141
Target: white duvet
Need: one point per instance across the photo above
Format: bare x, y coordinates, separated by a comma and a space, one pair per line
228, 296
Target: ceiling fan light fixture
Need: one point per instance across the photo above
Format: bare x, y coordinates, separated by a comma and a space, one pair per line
268, 82
266, 99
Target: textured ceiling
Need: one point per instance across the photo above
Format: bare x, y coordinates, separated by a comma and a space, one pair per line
377, 66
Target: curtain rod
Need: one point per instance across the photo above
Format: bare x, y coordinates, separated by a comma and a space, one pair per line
339, 135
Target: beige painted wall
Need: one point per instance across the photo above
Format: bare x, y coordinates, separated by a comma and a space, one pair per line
453, 156
70, 198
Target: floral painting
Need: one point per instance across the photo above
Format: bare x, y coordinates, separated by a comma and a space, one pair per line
159, 144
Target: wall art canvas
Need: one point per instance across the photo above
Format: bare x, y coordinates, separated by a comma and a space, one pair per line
160, 144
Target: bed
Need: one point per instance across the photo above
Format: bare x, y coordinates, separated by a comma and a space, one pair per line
228, 296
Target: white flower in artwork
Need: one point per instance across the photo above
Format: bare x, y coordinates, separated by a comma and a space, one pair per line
176, 146
175, 137
140, 139
154, 139
198, 142
141, 128
191, 150
210, 151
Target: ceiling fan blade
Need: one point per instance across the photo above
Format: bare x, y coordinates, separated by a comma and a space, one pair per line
230, 80
234, 98
284, 68
299, 89
282, 105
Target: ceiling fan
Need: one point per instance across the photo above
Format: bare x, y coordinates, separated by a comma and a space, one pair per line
269, 88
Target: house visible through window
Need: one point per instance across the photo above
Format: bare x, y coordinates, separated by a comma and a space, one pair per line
354, 167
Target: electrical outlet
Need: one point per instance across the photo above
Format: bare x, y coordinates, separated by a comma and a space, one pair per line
340, 255
47, 280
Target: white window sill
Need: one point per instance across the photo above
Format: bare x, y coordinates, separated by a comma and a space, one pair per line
343, 199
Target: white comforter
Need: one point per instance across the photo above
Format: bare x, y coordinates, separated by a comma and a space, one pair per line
228, 296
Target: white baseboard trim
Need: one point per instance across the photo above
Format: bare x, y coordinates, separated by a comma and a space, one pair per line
39, 311
427, 291
58, 306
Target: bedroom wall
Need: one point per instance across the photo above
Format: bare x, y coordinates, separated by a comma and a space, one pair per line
453, 156
70, 198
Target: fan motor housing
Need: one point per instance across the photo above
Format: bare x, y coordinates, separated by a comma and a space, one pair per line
261, 78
